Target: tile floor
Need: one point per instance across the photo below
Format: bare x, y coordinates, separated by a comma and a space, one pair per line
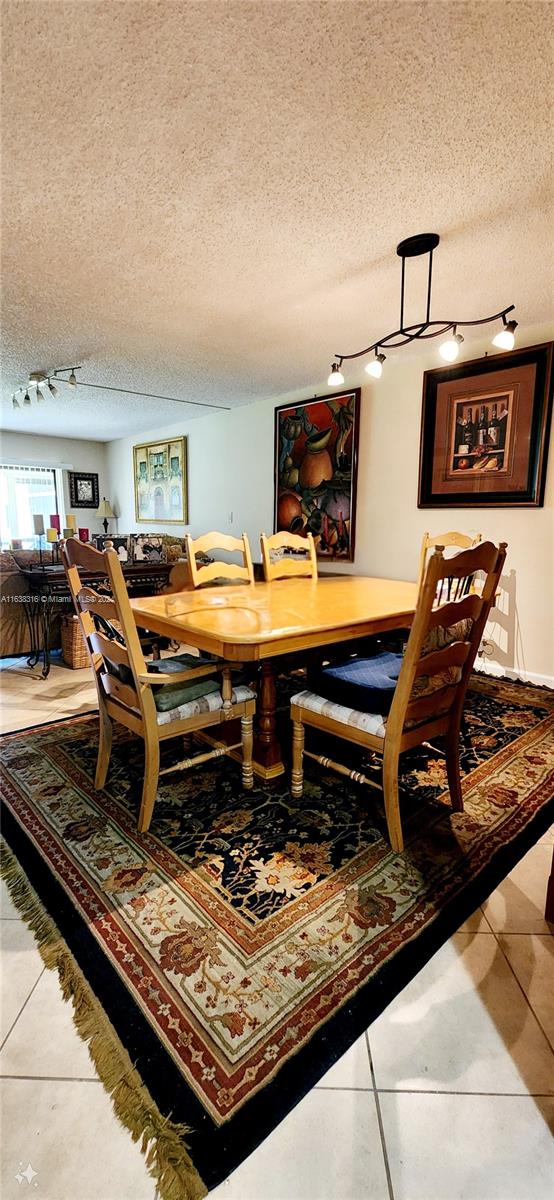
449, 1096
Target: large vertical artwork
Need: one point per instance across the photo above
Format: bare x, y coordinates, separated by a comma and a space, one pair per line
160, 473
316, 459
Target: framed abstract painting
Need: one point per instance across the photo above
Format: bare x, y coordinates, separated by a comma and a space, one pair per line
484, 431
160, 475
316, 462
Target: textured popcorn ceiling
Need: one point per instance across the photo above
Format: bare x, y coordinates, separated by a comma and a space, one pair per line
204, 199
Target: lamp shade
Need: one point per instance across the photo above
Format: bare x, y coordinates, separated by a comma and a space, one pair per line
105, 509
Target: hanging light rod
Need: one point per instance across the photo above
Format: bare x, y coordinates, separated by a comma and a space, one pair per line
36, 378
415, 247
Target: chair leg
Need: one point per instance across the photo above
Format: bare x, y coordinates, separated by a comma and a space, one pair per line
297, 773
150, 785
452, 748
390, 792
247, 739
104, 748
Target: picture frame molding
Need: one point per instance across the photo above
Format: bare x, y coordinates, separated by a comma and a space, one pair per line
541, 356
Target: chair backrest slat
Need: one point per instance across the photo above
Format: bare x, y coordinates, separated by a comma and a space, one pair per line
107, 654
229, 571
436, 665
281, 565
464, 541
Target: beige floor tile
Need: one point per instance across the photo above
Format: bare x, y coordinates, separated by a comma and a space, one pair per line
8, 911
531, 957
44, 1040
68, 1133
462, 1025
328, 1148
352, 1070
517, 906
468, 1147
21, 966
476, 923
548, 837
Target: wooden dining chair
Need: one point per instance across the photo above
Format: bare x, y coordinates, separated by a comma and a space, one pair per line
391, 702
462, 541
288, 554
167, 698
217, 571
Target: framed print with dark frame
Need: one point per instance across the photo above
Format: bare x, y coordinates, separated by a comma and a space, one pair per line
316, 462
160, 476
484, 431
83, 489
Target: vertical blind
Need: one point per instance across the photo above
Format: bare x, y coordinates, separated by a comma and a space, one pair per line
25, 492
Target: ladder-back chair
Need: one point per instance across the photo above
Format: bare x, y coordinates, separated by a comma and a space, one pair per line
299, 561
462, 541
170, 698
219, 572
392, 702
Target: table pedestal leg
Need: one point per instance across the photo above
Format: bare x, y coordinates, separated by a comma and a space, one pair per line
267, 751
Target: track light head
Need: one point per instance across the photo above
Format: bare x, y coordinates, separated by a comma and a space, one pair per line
72, 381
450, 349
27, 398
505, 339
336, 378
52, 388
40, 395
15, 401
375, 367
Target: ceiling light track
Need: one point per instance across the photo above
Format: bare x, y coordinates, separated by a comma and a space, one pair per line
412, 247
36, 378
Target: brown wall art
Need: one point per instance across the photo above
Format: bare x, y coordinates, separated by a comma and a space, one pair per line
484, 431
316, 459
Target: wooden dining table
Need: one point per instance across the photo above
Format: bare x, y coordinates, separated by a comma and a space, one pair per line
262, 622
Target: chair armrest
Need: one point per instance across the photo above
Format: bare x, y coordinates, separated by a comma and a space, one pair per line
153, 677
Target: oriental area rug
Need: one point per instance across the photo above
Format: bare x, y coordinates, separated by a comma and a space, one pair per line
221, 963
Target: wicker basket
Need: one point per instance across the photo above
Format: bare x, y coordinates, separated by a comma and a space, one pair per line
74, 650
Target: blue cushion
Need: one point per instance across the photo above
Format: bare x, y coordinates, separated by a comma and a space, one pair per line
366, 684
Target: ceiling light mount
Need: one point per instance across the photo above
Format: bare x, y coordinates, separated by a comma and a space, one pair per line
415, 247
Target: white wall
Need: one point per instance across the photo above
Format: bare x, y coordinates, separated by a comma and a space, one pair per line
230, 459
73, 455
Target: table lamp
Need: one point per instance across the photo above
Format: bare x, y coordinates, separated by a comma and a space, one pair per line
105, 510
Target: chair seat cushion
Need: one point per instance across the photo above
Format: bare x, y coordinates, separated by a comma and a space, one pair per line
171, 695
369, 722
179, 662
209, 701
364, 684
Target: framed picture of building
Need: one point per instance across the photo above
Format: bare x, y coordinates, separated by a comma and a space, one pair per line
484, 431
160, 475
316, 461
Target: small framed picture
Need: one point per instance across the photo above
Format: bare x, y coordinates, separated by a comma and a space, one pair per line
148, 548
83, 489
120, 544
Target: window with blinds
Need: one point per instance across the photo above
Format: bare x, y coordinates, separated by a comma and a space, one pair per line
24, 493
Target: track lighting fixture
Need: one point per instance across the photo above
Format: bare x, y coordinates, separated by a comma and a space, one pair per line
415, 247
37, 379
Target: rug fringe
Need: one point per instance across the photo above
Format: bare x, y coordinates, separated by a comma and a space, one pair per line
161, 1140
